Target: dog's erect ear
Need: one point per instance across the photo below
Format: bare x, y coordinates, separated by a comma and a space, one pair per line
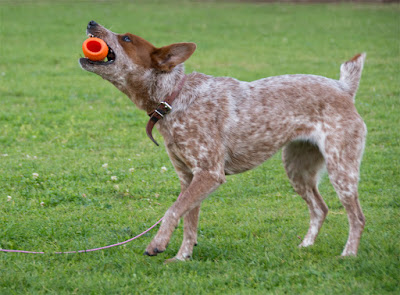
168, 57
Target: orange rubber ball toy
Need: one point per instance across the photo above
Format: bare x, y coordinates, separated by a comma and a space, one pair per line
95, 49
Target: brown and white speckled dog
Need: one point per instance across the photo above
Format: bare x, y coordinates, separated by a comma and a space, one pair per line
220, 126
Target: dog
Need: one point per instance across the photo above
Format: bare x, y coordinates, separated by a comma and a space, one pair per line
217, 126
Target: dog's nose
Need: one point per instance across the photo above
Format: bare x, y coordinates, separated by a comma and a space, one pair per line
91, 24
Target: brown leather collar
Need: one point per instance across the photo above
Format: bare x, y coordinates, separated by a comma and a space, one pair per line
163, 108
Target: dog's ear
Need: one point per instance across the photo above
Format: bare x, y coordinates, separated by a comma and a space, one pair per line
168, 57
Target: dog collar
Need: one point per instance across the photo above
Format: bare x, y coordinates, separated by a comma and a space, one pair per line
162, 109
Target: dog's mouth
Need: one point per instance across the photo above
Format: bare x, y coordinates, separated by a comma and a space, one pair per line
110, 58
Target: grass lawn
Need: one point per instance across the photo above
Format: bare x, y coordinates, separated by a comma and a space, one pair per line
60, 126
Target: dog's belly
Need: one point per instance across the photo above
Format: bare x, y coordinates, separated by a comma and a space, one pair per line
248, 154
235, 164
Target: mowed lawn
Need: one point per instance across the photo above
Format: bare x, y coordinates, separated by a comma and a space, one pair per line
77, 170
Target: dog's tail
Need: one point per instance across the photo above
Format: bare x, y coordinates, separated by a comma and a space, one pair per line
350, 73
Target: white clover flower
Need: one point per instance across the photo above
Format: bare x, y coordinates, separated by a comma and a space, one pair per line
41, 203
35, 175
116, 187
9, 198
105, 165
163, 169
114, 178
131, 170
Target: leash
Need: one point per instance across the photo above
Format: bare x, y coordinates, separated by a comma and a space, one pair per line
162, 109
89, 250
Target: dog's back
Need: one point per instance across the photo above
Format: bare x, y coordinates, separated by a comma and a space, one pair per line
255, 119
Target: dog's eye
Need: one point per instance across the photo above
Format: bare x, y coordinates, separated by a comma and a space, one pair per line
126, 39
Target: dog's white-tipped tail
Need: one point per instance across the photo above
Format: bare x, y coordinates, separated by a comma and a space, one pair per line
350, 73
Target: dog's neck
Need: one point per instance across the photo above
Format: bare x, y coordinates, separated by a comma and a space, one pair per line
147, 88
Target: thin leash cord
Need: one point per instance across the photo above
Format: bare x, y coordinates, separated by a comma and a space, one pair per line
88, 250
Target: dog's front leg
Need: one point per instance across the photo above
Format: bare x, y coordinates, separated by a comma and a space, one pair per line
204, 183
190, 223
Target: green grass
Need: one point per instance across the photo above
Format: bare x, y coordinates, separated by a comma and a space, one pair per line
64, 124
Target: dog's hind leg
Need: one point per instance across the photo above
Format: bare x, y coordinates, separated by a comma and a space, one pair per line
343, 167
303, 163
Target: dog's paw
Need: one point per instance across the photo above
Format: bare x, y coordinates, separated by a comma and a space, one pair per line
153, 251
155, 248
307, 242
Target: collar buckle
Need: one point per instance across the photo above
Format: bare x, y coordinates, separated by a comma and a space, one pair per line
166, 105
162, 109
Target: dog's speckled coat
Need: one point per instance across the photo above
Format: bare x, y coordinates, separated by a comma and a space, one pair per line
222, 126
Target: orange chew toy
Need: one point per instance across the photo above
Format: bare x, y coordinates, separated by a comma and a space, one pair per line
95, 49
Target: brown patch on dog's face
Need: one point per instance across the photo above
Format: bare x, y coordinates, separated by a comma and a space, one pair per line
146, 55
137, 49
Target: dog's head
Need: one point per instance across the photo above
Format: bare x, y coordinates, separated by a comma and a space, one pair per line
130, 54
